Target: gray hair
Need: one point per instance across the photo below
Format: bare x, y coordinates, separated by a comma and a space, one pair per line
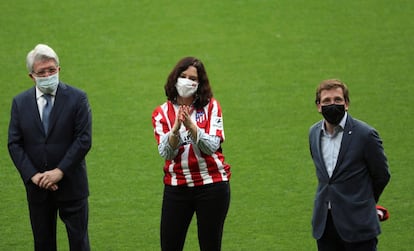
40, 53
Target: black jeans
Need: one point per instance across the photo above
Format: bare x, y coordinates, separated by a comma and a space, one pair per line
209, 202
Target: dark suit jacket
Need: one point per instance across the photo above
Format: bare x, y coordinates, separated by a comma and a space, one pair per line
360, 175
65, 145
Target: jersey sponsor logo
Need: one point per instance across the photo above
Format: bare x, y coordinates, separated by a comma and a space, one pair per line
187, 138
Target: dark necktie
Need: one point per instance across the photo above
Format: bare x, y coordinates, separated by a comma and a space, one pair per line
46, 111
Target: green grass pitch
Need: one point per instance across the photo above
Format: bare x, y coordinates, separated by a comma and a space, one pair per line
264, 59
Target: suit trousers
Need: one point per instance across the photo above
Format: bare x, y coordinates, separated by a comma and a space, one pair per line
331, 241
74, 214
209, 202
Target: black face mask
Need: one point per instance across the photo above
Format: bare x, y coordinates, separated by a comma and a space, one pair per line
333, 113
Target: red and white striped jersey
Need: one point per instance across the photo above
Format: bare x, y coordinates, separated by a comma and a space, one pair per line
191, 166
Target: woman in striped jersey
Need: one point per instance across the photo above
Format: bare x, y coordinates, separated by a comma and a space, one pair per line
189, 132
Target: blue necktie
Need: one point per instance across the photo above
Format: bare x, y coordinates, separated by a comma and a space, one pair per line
46, 111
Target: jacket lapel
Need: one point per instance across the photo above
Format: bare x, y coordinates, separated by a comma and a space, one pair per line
60, 101
346, 140
35, 109
318, 140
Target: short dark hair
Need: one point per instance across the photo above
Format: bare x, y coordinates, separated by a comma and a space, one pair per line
330, 84
204, 92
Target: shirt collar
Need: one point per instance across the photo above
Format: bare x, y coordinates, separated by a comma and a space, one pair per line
343, 121
340, 126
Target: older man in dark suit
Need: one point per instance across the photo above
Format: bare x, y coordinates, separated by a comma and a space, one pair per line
352, 172
49, 137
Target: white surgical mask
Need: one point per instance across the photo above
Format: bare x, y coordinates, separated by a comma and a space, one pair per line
186, 87
47, 84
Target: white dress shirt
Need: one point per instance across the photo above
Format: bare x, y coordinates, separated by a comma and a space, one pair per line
41, 102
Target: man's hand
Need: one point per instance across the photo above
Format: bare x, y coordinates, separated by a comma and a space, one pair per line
36, 178
49, 179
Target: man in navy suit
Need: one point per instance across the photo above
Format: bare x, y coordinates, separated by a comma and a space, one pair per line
352, 172
49, 137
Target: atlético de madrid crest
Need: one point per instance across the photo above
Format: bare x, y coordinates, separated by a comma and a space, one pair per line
200, 117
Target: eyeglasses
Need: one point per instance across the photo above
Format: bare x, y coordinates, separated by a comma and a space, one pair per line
46, 72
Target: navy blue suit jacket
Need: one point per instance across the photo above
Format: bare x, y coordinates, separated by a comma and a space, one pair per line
360, 175
65, 145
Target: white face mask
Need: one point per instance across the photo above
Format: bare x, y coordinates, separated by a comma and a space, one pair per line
47, 84
186, 87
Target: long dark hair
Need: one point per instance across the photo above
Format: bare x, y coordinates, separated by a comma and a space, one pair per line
204, 92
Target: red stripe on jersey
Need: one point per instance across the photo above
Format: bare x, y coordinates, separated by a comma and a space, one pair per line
194, 168
188, 168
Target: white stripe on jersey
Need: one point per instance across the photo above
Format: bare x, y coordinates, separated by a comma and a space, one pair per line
202, 165
174, 181
209, 168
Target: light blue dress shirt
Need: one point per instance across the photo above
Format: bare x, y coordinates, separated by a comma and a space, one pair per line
331, 143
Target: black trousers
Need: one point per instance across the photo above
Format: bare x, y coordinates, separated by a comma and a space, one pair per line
209, 202
74, 214
331, 241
